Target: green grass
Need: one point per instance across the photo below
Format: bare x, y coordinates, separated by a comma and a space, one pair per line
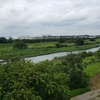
89, 59
79, 91
35, 49
92, 69
41, 44
93, 42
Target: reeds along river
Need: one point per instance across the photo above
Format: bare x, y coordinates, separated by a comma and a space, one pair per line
51, 56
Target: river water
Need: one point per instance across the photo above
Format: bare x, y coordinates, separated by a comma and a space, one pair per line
51, 56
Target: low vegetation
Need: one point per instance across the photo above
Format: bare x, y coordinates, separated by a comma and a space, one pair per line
19, 45
22, 80
27, 49
58, 79
93, 69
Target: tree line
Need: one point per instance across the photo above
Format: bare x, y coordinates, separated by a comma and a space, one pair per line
61, 40
79, 41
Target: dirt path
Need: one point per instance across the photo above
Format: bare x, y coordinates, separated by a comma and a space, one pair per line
94, 94
95, 82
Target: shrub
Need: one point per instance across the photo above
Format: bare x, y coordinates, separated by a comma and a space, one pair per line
19, 45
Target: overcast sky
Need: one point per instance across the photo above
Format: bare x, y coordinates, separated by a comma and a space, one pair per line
52, 17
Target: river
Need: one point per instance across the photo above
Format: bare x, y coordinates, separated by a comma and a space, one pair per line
51, 56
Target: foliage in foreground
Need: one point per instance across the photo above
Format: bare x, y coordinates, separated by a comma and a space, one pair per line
26, 81
47, 80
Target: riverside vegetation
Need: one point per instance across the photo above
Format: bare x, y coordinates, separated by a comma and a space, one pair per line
44, 46
58, 79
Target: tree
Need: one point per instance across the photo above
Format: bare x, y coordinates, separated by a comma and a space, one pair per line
58, 45
10, 40
19, 45
79, 41
24, 80
61, 40
3, 40
92, 39
97, 54
78, 78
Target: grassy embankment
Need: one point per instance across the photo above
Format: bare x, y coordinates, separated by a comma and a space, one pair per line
35, 49
93, 71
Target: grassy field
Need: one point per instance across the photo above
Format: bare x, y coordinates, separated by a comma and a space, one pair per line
35, 49
96, 41
92, 69
89, 59
93, 66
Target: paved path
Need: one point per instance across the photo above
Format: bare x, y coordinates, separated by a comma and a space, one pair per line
92, 95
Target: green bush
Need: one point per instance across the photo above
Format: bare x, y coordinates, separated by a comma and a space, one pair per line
79, 41
19, 45
47, 80
23, 80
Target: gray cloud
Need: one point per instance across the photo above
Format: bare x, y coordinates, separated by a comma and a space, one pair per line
55, 17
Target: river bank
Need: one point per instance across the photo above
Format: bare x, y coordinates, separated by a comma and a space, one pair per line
51, 56
7, 51
48, 56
